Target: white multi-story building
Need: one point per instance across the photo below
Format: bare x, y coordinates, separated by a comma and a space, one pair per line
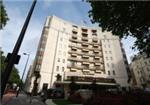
68, 50
140, 70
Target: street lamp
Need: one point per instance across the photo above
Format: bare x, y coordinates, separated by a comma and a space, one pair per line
23, 71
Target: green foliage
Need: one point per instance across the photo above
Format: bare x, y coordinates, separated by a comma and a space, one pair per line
14, 77
124, 19
3, 15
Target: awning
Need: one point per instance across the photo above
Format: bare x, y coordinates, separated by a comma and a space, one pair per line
98, 83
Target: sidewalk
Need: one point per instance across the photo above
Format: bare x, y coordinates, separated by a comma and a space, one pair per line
23, 99
7, 98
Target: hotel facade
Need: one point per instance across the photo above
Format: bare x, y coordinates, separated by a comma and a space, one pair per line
68, 50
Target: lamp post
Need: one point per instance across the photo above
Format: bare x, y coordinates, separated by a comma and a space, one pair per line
23, 71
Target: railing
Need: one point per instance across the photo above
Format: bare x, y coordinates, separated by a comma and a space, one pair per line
80, 67
81, 41
89, 48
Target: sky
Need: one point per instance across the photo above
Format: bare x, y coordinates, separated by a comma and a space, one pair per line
74, 11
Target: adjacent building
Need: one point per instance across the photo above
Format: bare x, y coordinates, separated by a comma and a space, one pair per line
140, 70
68, 50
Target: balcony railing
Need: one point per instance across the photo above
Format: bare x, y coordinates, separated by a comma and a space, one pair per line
84, 30
98, 71
85, 53
94, 31
84, 40
88, 48
74, 30
81, 67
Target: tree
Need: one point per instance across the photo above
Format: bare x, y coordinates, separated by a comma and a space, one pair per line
3, 15
14, 77
123, 19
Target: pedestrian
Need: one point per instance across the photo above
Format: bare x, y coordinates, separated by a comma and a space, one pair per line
44, 95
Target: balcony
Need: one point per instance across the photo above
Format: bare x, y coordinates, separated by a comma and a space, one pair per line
73, 49
97, 64
94, 34
95, 39
93, 68
94, 31
83, 60
73, 69
85, 39
84, 30
74, 31
98, 71
74, 36
85, 70
85, 50
91, 72
96, 51
95, 45
85, 63
85, 56
84, 34
81, 67
84, 44
74, 55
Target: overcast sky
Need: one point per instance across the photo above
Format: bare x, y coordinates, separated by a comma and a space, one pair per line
71, 10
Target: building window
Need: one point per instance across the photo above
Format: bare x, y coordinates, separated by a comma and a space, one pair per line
63, 60
65, 46
61, 39
105, 52
60, 45
94, 34
107, 64
64, 53
64, 29
58, 60
104, 36
107, 40
109, 46
112, 65
59, 52
114, 72
106, 58
63, 69
111, 58
110, 52
57, 69
108, 72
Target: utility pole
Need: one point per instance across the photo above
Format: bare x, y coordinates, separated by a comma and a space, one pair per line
14, 55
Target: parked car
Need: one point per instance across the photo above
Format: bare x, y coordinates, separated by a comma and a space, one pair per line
81, 95
55, 93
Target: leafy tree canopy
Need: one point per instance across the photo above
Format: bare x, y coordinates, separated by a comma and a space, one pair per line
124, 19
14, 77
3, 15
